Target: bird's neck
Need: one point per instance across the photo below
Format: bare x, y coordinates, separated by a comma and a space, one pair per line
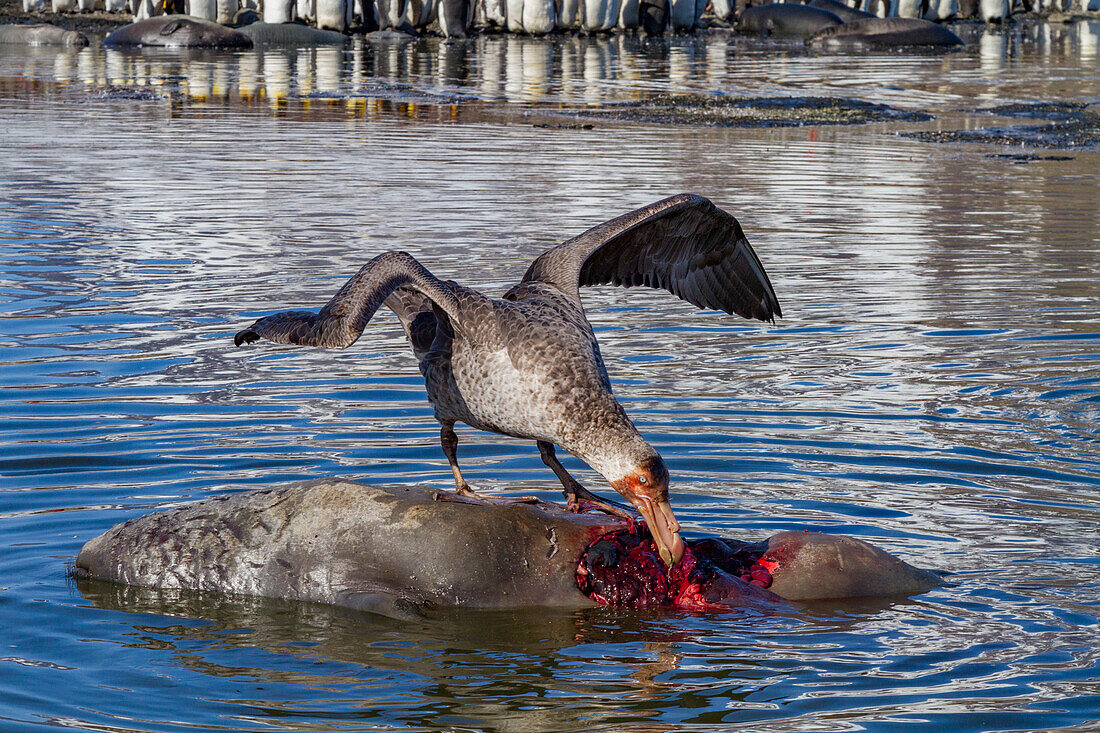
614, 450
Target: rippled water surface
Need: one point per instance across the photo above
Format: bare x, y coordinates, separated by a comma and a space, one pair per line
934, 385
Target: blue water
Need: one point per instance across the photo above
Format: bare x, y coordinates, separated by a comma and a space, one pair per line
934, 386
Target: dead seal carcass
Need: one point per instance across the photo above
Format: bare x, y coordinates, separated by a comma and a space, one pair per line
402, 550
388, 549
177, 31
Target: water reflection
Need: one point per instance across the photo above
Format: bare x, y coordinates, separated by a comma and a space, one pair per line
517, 670
593, 70
552, 671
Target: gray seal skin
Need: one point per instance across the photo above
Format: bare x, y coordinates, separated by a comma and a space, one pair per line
401, 551
840, 10
177, 31
886, 33
786, 19
41, 34
393, 550
815, 566
292, 34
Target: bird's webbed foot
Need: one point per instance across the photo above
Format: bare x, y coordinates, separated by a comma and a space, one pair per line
464, 493
582, 500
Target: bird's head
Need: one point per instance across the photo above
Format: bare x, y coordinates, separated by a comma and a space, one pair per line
646, 487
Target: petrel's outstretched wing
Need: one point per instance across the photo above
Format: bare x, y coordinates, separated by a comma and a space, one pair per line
683, 244
343, 319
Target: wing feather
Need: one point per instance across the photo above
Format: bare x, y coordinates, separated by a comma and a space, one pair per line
683, 244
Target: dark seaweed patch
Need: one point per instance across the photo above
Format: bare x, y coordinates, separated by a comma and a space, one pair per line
1074, 125
1024, 158
141, 95
1056, 111
1057, 136
718, 110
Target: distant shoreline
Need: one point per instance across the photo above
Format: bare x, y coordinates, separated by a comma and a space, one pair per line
102, 23
11, 11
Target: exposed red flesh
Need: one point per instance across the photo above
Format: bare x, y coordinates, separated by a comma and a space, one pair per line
624, 569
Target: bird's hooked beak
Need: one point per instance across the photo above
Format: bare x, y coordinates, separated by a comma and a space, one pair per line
652, 503
664, 528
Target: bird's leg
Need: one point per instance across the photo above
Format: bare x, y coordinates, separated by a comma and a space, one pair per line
449, 440
577, 496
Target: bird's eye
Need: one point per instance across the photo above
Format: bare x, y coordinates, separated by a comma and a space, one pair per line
643, 480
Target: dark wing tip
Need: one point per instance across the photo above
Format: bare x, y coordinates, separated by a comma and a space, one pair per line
767, 309
246, 336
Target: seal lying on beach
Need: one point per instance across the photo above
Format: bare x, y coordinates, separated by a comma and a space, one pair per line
403, 550
786, 19
292, 34
177, 31
41, 34
885, 33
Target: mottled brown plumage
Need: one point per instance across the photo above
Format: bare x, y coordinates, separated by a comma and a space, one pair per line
528, 364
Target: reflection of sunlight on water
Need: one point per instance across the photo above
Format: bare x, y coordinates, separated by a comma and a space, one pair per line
223, 82
328, 63
65, 67
597, 70
538, 65
200, 81
991, 52
1088, 39
681, 55
594, 70
116, 70
513, 68
249, 76
304, 67
277, 75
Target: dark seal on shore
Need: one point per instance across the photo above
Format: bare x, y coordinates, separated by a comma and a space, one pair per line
786, 19
885, 33
292, 34
177, 31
